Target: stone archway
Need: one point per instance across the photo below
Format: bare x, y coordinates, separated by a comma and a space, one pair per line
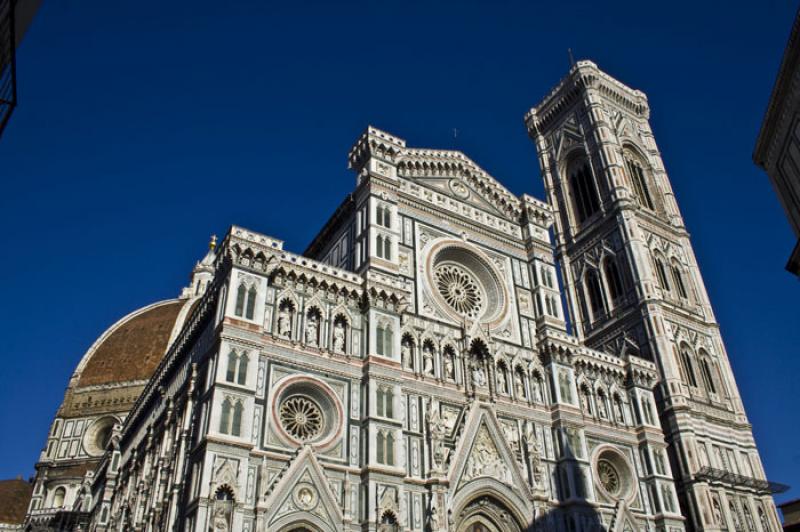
486, 514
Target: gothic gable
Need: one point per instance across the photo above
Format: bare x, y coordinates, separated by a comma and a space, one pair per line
302, 490
483, 452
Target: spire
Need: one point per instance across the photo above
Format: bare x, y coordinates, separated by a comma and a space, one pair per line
203, 271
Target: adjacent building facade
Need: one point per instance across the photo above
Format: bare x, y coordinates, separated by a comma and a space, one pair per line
778, 146
415, 368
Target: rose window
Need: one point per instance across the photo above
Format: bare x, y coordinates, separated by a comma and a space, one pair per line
301, 417
459, 289
609, 477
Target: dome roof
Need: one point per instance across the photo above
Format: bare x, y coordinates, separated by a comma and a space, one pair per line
131, 349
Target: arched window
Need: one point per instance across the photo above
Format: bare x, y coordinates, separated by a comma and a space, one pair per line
58, 497
380, 449
686, 359
385, 402
661, 273
639, 182
224, 493
242, 377
387, 248
595, 294
379, 246
389, 449
613, 278
233, 358
584, 192
383, 339
241, 295
236, 426
383, 216
708, 378
251, 303
678, 279
225, 417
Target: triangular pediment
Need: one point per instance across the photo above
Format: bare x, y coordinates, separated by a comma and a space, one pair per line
455, 176
483, 453
303, 489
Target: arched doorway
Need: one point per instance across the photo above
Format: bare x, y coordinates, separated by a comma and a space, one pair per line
487, 514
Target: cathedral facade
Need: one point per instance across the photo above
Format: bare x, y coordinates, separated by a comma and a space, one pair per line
443, 356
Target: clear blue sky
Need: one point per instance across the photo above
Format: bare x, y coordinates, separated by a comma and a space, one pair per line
143, 127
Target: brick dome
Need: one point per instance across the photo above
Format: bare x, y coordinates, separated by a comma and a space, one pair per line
131, 349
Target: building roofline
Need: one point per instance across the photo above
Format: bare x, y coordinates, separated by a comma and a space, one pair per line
783, 82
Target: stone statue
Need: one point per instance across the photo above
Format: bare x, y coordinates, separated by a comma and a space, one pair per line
338, 337
478, 376
405, 353
537, 390
601, 406
220, 519
502, 382
534, 453
519, 385
565, 386
285, 322
427, 360
437, 431
618, 410
312, 329
449, 368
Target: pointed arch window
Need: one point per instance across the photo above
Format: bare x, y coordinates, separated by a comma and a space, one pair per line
58, 497
661, 273
385, 402
245, 301
236, 422
613, 278
385, 448
686, 359
383, 216
708, 378
384, 339
225, 416
233, 359
584, 191
639, 182
595, 294
242, 373
677, 277
241, 295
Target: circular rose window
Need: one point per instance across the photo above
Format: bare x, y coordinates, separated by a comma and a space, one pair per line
301, 417
613, 474
306, 410
460, 289
608, 477
464, 283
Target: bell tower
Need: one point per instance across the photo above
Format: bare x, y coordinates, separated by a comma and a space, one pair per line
633, 289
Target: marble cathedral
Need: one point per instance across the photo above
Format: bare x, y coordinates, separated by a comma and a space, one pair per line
444, 356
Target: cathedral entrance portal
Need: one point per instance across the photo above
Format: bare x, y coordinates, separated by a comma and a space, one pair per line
487, 514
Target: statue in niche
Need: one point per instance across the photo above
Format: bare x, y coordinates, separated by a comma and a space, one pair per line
285, 322
220, 519
312, 329
565, 386
601, 406
406, 354
437, 431
449, 367
338, 337
427, 360
618, 410
478, 375
586, 402
534, 453
502, 381
519, 384
537, 390
717, 511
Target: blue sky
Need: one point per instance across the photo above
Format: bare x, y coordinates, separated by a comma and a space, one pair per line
144, 127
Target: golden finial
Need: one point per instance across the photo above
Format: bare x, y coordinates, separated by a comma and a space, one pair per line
213, 243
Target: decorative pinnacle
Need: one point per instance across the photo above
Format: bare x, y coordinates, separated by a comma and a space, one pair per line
213, 243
